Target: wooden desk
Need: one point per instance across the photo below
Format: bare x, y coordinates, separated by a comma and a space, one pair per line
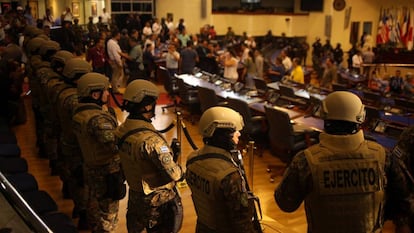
220, 91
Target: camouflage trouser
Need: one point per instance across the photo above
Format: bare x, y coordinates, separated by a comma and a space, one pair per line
144, 213
71, 172
51, 132
102, 211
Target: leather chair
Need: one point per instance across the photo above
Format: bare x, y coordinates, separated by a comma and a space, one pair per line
339, 87
13, 165
208, 98
286, 138
170, 85
188, 98
254, 126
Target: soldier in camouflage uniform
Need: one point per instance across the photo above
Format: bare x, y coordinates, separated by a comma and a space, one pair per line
44, 75
154, 204
403, 152
70, 158
32, 47
218, 187
94, 127
344, 180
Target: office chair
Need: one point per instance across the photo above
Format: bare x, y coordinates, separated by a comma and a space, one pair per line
372, 118
286, 139
170, 85
254, 126
189, 98
208, 98
339, 87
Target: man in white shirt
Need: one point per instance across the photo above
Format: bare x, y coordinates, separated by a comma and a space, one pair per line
115, 60
156, 27
67, 15
286, 61
106, 17
357, 62
170, 24
147, 30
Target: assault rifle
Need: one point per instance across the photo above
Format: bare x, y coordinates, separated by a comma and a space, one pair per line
237, 157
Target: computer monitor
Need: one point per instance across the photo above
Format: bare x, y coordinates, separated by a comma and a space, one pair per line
406, 105
272, 97
286, 91
372, 97
238, 86
261, 86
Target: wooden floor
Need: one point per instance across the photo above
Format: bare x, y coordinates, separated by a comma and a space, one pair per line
274, 220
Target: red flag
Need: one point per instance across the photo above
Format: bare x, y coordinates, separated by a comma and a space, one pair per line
410, 32
405, 26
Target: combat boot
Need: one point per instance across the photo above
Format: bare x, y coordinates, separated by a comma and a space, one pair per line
83, 221
66, 191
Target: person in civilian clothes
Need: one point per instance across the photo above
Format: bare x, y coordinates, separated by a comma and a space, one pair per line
97, 56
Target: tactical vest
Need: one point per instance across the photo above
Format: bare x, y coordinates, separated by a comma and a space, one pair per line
348, 189
94, 154
51, 86
204, 178
42, 78
35, 63
67, 99
141, 173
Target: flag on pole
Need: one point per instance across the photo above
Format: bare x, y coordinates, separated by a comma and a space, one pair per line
410, 30
383, 29
404, 26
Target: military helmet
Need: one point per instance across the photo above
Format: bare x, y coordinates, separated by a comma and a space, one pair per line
138, 89
219, 118
61, 57
92, 82
344, 106
49, 46
34, 44
32, 31
76, 66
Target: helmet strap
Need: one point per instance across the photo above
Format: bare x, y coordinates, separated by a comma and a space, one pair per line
146, 112
337, 127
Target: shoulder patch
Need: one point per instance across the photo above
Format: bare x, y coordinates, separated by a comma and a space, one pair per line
164, 149
106, 126
165, 159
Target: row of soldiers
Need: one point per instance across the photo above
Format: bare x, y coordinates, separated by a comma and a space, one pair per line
79, 134
94, 156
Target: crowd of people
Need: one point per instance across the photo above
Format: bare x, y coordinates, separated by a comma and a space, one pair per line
348, 183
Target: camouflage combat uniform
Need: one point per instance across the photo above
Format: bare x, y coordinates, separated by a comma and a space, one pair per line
94, 129
219, 193
50, 136
403, 153
70, 160
151, 172
36, 63
298, 184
